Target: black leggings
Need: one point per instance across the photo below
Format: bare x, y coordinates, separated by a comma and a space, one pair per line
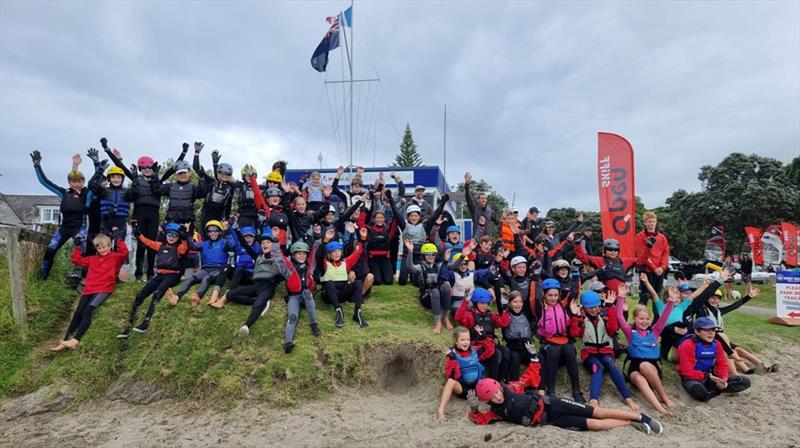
566, 414
257, 295
239, 276
157, 286
552, 357
498, 363
706, 390
82, 318
516, 357
336, 292
147, 223
403, 278
657, 281
381, 267
669, 338
60, 237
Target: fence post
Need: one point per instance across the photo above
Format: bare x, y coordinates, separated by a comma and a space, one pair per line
14, 254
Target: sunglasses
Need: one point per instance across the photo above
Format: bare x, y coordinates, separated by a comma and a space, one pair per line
612, 250
172, 235
145, 167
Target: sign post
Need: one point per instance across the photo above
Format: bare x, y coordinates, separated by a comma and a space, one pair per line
787, 298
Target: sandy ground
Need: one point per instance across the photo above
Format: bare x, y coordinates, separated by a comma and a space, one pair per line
765, 416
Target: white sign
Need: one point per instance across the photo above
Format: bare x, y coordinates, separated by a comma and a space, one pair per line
787, 293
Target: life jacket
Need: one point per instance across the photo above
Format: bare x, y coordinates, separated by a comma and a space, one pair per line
301, 278
483, 320
522, 285
244, 260
277, 218
73, 202
379, 244
552, 326
181, 197
643, 347
705, 355
247, 200
265, 268
214, 253
334, 272
219, 195
471, 368
713, 314
167, 257
455, 249
113, 203
519, 328
522, 409
483, 261
144, 192
595, 334
415, 233
462, 282
430, 277
612, 269
569, 288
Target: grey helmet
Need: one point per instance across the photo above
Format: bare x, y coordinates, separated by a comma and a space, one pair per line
225, 168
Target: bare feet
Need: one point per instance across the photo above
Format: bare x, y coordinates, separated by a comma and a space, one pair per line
171, 297
594, 403
447, 323
214, 296
71, 344
437, 329
220, 303
441, 416
195, 299
668, 403
632, 404
59, 347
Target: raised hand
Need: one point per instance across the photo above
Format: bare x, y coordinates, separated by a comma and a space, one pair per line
580, 217
339, 171
409, 245
104, 143
36, 156
198, 147
116, 153
440, 220
77, 160
467, 177
674, 295
387, 194
445, 197
134, 170
623, 289
724, 275
643, 278
472, 399
329, 234
185, 148
754, 292
156, 168
94, 155
575, 307
359, 170
363, 232
215, 156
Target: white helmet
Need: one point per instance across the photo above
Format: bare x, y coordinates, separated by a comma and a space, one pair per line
518, 260
413, 208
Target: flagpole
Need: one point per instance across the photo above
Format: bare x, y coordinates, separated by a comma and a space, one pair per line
352, 53
444, 146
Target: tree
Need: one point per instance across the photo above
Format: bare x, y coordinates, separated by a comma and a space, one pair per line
408, 156
743, 190
793, 171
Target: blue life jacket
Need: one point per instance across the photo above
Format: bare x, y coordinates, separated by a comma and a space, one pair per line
471, 367
113, 203
243, 259
644, 347
705, 355
214, 253
455, 249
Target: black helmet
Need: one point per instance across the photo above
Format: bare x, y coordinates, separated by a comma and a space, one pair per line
611, 244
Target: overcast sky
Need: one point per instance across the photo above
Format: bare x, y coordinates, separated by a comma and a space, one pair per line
527, 86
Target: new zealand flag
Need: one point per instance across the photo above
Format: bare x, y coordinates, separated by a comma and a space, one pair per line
319, 60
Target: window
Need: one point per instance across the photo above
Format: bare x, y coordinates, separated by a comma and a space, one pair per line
49, 215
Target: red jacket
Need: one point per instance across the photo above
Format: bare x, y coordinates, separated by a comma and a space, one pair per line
686, 362
529, 380
466, 318
599, 262
652, 257
102, 270
577, 326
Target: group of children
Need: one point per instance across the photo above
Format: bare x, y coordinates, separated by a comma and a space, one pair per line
316, 236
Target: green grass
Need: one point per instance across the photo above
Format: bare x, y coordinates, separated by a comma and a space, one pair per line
194, 354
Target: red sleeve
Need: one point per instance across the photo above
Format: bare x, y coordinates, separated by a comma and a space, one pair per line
531, 379
552, 252
484, 418
628, 263
501, 320
122, 249
78, 259
352, 259
452, 369
721, 364
392, 229
463, 316
577, 327
611, 322
595, 261
155, 245
686, 361
261, 204
183, 248
362, 219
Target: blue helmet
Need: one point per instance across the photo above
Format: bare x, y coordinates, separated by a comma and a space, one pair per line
266, 234
550, 283
590, 299
480, 295
454, 229
247, 230
172, 227
333, 245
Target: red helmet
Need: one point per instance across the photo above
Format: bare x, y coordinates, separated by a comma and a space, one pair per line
145, 161
486, 388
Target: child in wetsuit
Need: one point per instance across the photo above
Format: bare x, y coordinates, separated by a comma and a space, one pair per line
462, 369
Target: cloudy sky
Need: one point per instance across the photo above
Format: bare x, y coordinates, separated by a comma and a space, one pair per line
527, 86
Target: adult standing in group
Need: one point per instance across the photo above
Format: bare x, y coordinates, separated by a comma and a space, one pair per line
746, 268
480, 210
530, 225
419, 200
652, 253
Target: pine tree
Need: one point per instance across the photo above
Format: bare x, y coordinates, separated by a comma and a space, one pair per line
408, 156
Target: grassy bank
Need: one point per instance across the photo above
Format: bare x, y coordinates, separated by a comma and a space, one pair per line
194, 353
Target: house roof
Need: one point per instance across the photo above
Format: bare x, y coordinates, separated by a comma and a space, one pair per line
7, 215
26, 207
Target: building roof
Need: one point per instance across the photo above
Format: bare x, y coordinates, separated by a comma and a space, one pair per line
7, 215
26, 207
